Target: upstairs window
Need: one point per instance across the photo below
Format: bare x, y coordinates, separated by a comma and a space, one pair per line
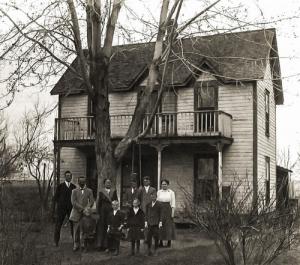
267, 113
267, 179
205, 96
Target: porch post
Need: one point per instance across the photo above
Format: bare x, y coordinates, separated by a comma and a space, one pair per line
220, 168
159, 149
54, 170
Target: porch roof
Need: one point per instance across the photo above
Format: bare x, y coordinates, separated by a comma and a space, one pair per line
238, 56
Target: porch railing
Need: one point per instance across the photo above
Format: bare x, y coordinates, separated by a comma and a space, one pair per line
194, 123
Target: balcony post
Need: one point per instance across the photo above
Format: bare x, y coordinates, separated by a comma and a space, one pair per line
159, 148
220, 168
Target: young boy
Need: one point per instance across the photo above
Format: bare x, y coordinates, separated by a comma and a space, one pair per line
135, 225
114, 232
153, 223
87, 228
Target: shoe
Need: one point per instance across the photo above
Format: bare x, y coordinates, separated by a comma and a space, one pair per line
115, 253
75, 248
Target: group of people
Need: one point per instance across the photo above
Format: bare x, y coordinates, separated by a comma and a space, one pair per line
147, 215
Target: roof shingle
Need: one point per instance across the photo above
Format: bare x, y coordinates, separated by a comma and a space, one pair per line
234, 56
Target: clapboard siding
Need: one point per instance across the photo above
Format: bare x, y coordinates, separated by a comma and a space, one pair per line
122, 103
74, 106
74, 160
238, 157
266, 146
185, 99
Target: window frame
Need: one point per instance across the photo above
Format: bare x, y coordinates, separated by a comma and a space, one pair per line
267, 180
267, 113
209, 84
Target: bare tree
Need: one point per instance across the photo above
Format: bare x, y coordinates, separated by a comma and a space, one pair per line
286, 160
48, 38
41, 38
37, 158
244, 233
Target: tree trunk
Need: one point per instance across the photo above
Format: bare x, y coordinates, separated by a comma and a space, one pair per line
141, 107
103, 145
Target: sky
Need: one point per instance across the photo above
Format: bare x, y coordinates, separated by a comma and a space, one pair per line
288, 37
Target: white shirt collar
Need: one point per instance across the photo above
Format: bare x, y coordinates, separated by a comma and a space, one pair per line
115, 211
147, 188
153, 203
107, 190
68, 183
135, 210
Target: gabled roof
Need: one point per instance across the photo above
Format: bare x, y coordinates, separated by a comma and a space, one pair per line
234, 57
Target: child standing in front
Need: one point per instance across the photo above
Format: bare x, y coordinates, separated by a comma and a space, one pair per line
153, 222
135, 225
114, 232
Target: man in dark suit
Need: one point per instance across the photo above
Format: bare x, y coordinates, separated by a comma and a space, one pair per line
82, 201
63, 205
145, 192
131, 193
153, 222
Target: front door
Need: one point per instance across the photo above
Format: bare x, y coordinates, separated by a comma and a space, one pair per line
206, 180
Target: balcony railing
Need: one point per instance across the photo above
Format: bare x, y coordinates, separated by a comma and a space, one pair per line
194, 123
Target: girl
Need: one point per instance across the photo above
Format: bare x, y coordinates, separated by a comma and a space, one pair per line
135, 225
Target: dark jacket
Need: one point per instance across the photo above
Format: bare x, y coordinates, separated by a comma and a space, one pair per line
104, 202
135, 220
115, 221
153, 214
145, 197
62, 197
129, 196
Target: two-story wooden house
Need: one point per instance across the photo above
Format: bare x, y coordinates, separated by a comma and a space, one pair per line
216, 123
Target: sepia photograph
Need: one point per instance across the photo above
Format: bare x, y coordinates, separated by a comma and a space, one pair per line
154, 132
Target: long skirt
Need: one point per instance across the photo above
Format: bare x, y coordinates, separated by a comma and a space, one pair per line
167, 232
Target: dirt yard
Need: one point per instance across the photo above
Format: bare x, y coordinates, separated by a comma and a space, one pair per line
191, 246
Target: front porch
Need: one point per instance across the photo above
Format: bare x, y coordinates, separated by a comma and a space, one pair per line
193, 168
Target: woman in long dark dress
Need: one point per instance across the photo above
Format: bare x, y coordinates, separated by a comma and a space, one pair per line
167, 198
135, 225
105, 198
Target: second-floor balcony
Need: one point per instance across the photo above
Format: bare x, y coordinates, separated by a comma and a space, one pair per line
191, 124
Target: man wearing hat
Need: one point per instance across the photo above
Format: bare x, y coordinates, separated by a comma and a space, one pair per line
132, 192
